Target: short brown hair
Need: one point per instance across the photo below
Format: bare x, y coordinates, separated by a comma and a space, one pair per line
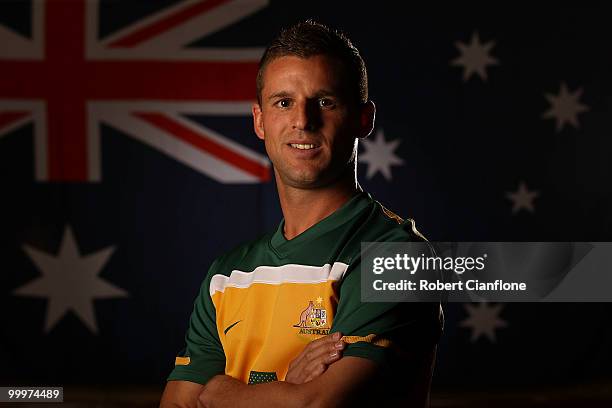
310, 38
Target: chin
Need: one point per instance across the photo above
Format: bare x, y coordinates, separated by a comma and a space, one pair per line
302, 179
304, 182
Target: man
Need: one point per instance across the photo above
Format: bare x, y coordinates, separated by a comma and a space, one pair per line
283, 313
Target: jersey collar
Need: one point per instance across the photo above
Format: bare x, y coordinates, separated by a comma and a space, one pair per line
282, 246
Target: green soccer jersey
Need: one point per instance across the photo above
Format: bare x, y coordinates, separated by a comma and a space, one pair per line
263, 302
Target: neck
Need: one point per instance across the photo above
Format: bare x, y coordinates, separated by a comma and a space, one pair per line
303, 208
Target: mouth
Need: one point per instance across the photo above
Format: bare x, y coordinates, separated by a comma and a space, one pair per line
303, 149
303, 146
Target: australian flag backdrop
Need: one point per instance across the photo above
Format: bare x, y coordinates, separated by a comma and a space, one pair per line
128, 162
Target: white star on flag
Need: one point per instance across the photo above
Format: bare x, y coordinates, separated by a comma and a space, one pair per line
483, 320
70, 281
475, 57
522, 198
565, 107
379, 155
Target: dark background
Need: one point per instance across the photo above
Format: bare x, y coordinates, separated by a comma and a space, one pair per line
464, 144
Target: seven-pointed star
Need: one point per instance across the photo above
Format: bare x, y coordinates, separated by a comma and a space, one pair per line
379, 155
483, 320
522, 198
565, 107
70, 281
475, 57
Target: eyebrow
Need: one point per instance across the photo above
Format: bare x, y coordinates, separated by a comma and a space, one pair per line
286, 94
281, 94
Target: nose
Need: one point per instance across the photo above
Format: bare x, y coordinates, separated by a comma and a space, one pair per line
307, 116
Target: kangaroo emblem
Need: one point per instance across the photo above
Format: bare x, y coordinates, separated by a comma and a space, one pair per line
304, 315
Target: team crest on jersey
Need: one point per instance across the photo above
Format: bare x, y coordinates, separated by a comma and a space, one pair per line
313, 319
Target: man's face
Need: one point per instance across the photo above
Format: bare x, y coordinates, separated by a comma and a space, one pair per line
306, 120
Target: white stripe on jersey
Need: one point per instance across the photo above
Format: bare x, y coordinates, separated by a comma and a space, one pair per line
275, 275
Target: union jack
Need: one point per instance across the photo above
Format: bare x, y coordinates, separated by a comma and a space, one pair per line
141, 79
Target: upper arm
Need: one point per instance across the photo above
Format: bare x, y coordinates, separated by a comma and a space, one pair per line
203, 356
380, 330
390, 343
180, 394
360, 381
339, 385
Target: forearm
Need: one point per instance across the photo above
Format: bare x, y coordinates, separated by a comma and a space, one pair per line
224, 391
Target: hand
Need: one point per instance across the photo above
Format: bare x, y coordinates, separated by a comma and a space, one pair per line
315, 358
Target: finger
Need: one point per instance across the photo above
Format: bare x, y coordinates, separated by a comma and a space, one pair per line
323, 352
333, 337
333, 357
316, 371
298, 359
317, 350
319, 346
330, 338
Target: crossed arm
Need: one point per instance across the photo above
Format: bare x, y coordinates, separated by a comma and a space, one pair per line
335, 387
316, 378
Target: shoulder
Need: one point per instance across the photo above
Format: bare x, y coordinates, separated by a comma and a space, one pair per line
384, 224
406, 227
238, 256
377, 223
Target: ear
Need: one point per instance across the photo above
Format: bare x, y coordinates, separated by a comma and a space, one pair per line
258, 120
367, 116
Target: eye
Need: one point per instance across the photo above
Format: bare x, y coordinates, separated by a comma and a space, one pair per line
284, 103
326, 103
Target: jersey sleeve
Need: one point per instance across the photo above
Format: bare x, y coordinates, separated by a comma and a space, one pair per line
202, 357
383, 332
